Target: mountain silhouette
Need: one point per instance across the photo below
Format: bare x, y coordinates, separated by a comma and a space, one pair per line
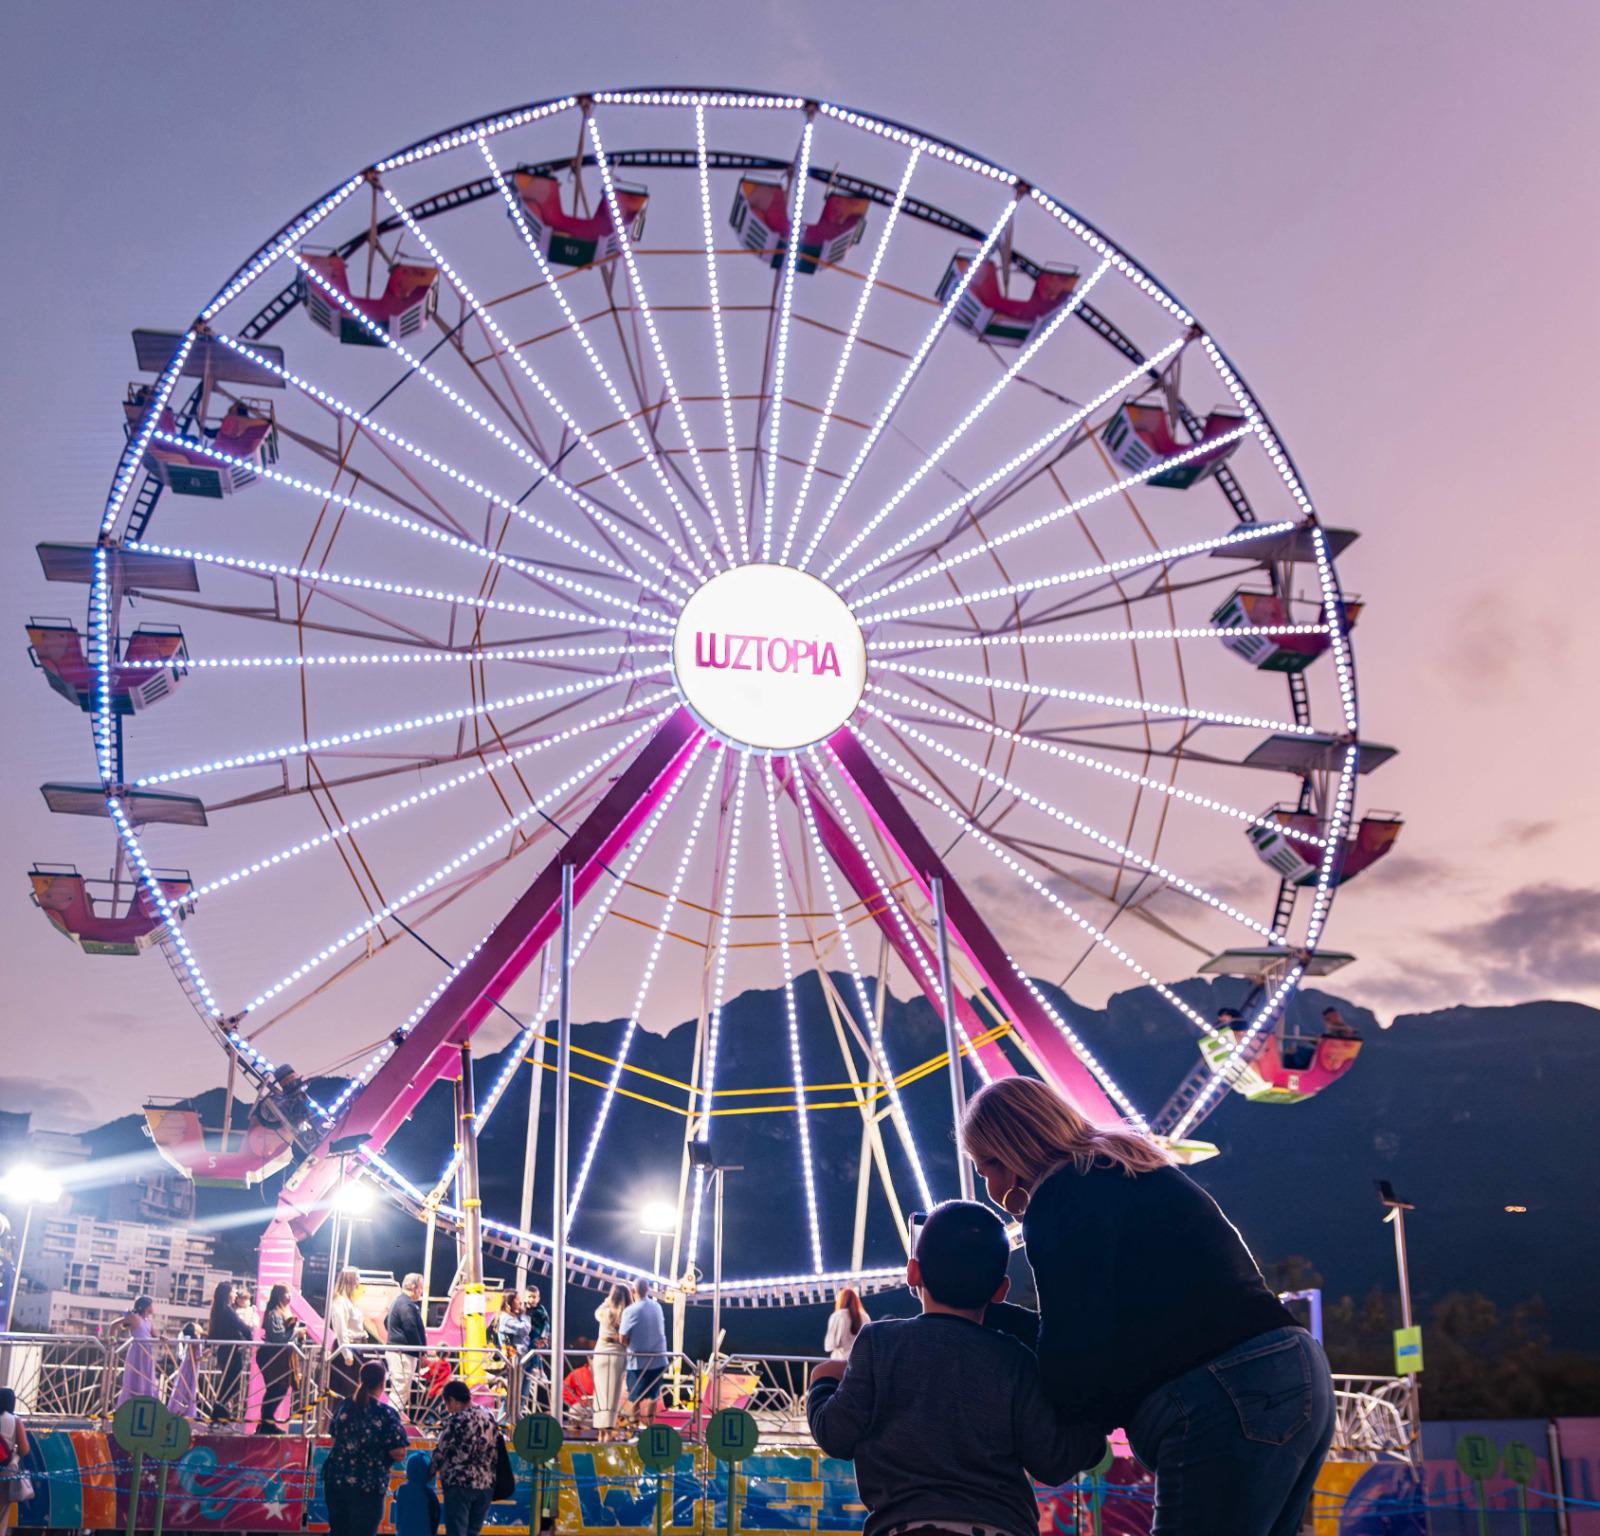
1466, 1110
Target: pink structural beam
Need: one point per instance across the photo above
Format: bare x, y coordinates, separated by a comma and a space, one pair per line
431, 1050
913, 949
1034, 1026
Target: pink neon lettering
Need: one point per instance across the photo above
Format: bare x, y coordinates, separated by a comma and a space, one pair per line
765, 653
705, 650
829, 662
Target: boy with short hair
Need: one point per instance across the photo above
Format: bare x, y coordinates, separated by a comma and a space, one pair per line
945, 1418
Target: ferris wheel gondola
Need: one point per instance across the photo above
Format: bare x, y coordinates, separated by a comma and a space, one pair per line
813, 641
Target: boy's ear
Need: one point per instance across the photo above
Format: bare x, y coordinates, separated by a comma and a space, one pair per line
913, 1274
1002, 1290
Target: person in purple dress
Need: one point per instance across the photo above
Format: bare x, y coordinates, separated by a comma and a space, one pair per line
183, 1394
139, 1363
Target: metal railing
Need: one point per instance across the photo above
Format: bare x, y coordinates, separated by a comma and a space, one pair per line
1372, 1420
78, 1378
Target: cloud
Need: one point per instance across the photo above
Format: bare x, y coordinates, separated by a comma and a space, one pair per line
53, 1105
1544, 936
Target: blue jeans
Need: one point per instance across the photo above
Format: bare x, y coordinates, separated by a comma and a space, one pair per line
464, 1509
1236, 1444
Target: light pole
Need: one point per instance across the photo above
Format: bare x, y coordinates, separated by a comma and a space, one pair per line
1396, 1209
658, 1220
700, 1156
26, 1186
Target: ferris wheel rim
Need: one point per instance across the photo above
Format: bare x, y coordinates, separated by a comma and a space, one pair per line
462, 134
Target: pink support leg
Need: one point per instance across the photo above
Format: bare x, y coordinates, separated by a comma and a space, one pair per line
1033, 1024
432, 1049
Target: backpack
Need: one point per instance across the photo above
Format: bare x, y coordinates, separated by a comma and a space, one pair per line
505, 1480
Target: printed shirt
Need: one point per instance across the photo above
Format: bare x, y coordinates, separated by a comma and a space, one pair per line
362, 1437
464, 1456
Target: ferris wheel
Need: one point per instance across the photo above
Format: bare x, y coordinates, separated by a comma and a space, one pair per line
820, 548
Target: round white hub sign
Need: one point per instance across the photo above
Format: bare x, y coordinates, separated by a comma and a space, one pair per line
769, 657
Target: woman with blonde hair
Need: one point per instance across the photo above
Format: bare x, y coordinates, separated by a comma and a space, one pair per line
347, 1329
846, 1320
1153, 1316
609, 1360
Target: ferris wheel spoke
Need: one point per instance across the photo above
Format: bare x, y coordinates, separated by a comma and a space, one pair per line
729, 431
912, 938
1069, 509
982, 639
971, 829
424, 797
1161, 557
669, 906
393, 728
912, 369
967, 720
864, 1003
636, 281
513, 205
632, 620
800, 171
1110, 701
421, 656
792, 1018
619, 883
585, 504
535, 571
1122, 850
443, 872
847, 351
708, 1084
940, 520
1080, 294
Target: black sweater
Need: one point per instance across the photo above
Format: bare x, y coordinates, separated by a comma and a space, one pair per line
1140, 1279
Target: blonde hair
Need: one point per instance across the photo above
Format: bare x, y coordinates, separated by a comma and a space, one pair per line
1028, 1127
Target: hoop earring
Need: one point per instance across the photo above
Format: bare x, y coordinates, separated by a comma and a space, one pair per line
1014, 1202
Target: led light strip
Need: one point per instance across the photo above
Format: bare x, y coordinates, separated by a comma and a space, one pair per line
406, 802
169, 914
533, 460
932, 147
625, 244
913, 939
971, 829
582, 776
1067, 578
847, 351
726, 387
438, 535
1176, 881
1000, 638
792, 1017
1080, 293
396, 727
133, 454
1111, 701
1128, 269
100, 657
514, 352
291, 237
791, 260
1172, 791
598, 1126
433, 461
1070, 509
405, 658
702, 1125
698, 99
995, 476
475, 134
398, 589
618, 884
910, 372
869, 1014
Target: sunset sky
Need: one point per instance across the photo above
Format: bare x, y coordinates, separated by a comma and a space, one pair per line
1386, 213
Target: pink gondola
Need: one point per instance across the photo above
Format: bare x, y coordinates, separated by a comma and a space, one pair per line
760, 218
1286, 845
153, 662
1246, 609
991, 314
406, 304
117, 923
1138, 436
573, 239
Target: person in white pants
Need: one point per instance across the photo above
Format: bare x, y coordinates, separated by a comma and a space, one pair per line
609, 1360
